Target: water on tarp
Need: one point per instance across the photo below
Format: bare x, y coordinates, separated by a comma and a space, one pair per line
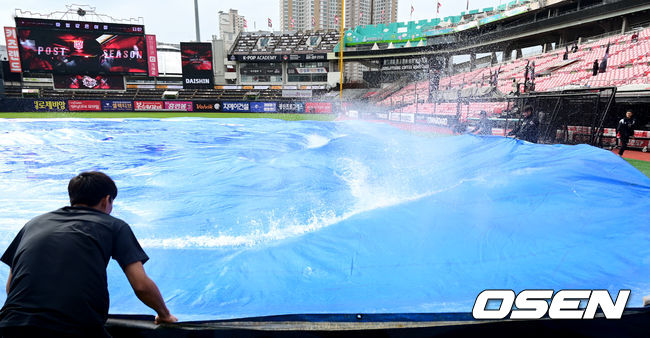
252, 217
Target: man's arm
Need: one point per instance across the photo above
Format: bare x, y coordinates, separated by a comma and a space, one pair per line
148, 292
8, 281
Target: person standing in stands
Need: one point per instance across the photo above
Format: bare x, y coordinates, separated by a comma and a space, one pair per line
484, 126
57, 278
515, 87
595, 68
625, 130
528, 130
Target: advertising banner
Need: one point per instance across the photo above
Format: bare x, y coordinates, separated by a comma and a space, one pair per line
256, 58
279, 58
439, 120
12, 49
400, 65
84, 105
208, 106
407, 117
179, 106
112, 105
263, 107
152, 54
318, 107
436, 32
36, 80
260, 71
515, 11
305, 57
490, 19
196, 58
315, 87
296, 93
466, 26
89, 82
291, 107
319, 70
49, 105
148, 105
235, 106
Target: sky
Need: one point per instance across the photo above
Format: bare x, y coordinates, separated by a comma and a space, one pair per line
172, 21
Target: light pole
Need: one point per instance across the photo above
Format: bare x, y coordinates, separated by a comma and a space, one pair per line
196, 20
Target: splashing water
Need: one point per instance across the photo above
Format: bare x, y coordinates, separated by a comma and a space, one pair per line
249, 217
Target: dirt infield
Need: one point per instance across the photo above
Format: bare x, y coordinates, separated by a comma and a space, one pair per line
634, 155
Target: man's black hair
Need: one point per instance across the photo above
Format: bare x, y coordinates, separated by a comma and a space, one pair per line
88, 188
528, 108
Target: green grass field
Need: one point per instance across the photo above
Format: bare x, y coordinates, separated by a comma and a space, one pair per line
643, 166
156, 115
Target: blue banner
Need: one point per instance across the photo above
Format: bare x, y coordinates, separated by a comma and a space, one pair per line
110, 105
236, 107
263, 107
50, 105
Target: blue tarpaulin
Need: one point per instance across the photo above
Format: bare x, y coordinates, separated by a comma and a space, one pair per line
256, 217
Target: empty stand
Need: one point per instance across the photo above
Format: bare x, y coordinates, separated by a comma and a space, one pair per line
628, 63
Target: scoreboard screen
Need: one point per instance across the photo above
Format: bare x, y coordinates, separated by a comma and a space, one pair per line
63, 47
196, 58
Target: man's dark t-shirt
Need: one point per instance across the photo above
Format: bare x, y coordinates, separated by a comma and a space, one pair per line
58, 263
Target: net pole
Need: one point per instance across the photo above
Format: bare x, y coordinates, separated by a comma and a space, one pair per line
341, 50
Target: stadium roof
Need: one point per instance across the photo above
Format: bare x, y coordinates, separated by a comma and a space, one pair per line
78, 13
261, 43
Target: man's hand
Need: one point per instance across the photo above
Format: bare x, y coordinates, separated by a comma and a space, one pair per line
148, 292
168, 319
